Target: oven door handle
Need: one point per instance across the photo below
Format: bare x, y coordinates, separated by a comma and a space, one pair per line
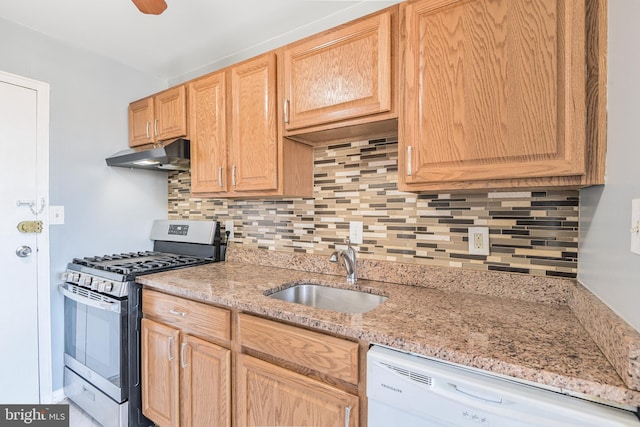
101, 305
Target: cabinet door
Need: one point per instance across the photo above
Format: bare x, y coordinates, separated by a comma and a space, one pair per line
339, 75
493, 90
170, 114
206, 386
208, 134
141, 122
254, 137
160, 370
270, 395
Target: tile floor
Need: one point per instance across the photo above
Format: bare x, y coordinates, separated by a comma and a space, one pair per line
79, 418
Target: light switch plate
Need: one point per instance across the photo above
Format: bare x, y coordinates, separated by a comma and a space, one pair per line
635, 226
355, 232
56, 215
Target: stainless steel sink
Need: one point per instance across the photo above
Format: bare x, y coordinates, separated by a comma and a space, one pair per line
335, 299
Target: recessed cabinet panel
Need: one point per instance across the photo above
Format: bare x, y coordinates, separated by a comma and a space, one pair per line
207, 114
493, 90
254, 138
206, 383
160, 373
272, 396
340, 75
170, 113
140, 122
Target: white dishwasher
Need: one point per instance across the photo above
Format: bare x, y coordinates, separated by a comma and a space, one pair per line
405, 390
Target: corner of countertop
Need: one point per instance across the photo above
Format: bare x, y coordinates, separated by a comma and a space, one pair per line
618, 341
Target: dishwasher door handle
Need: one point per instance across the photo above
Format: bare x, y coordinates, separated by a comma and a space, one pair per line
475, 394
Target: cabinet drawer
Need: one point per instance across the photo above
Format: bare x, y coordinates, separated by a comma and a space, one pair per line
192, 317
323, 353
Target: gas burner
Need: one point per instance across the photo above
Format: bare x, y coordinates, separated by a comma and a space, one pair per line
139, 262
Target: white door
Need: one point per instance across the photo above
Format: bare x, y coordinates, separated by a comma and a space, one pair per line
24, 299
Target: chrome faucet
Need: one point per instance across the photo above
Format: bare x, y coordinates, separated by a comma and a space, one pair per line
348, 258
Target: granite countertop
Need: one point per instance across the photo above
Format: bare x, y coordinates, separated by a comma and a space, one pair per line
531, 341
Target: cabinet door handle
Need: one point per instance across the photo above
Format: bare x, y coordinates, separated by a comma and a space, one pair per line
169, 345
347, 416
155, 127
286, 111
233, 175
409, 152
220, 176
177, 313
147, 129
182, 356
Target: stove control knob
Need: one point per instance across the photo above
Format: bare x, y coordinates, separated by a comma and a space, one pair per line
100, 284
108, 286
75, 277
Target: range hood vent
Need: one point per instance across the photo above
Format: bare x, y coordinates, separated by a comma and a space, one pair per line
171, 156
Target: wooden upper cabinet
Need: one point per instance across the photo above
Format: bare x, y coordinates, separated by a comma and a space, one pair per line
494, 94
344, 73
170, 108
237, 149
158, 118
254, 132
140, 122
207, 126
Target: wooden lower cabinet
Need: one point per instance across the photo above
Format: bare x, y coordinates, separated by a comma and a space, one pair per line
160, 373
185, 380
270, 395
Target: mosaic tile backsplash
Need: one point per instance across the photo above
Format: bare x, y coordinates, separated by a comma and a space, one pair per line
532, 233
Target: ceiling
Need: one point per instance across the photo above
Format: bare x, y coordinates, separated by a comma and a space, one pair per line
189, 35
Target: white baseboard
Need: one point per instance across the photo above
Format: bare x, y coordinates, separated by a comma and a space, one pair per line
58, 396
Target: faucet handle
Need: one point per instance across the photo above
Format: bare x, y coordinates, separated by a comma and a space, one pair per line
347, 241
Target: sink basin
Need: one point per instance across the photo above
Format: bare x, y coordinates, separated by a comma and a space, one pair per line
335, 299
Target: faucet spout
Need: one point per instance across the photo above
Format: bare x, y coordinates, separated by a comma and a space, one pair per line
348, 264
348, 258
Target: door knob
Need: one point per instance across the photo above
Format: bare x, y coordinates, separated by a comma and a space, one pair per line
23, 251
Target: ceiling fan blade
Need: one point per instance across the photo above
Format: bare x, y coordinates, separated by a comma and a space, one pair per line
150, 7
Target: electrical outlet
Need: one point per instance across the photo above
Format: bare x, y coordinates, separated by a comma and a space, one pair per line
228, 227
355, 232
478, 240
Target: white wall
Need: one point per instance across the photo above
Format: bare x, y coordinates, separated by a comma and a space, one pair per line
605, 264
347, 14
106, 209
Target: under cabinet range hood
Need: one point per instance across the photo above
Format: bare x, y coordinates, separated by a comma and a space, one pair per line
169, 156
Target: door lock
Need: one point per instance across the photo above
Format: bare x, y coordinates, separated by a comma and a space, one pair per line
30, 227
23, 251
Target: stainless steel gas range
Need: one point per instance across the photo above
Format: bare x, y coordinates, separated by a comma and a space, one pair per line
103, 310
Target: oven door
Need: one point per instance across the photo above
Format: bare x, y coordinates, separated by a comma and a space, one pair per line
95, 339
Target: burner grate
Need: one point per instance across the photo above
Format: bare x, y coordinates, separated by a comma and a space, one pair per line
138, 262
